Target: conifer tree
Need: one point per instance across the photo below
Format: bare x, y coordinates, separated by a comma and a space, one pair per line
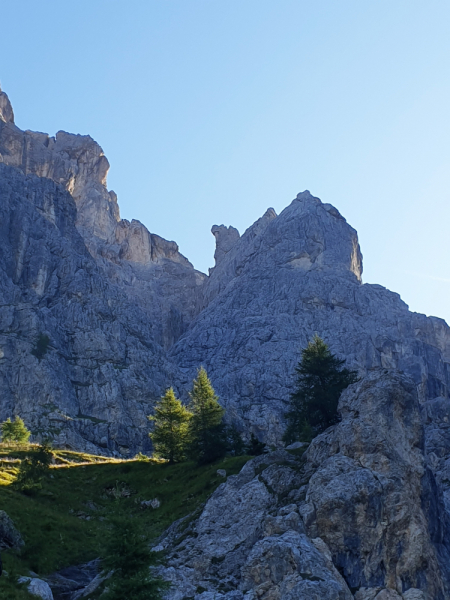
321, 379
207, 433
128, 557
34, 468
170, 432
255, 447
15, 431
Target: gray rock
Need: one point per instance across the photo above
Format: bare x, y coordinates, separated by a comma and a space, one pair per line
285, 278
37, 587
367, 593
68, 582
6, 111
296, 446
413, 594
368, 494
221, 472
102, 371
290, 567
247, 538
9, 536
388, 594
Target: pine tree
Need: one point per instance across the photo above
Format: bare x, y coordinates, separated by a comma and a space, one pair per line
34, 468
207, 433
255, 447
128, 557
170, 432
235, 443
321, 379
15, 431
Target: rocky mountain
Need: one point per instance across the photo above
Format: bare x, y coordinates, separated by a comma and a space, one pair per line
122, 314
98, 316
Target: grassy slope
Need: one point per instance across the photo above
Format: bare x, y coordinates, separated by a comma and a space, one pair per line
65, 522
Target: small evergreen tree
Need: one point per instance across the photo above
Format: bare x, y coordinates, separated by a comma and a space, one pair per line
34, 468
128, 557
15, 431
170, 432
207, 433
321, 379
235, 443
255, 447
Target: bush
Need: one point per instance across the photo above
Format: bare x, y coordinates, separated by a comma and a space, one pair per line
235, 443
255, 447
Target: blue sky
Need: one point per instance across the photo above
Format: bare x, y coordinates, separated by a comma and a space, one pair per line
211, 111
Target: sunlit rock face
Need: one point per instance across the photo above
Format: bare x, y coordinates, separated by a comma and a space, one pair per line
287, 277
149, 269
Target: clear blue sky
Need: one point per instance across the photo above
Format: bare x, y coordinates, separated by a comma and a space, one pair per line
210, 111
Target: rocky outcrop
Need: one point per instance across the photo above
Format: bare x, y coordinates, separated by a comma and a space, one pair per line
359, 514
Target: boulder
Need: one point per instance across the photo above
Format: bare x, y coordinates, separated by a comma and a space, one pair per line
10, 538
37, 587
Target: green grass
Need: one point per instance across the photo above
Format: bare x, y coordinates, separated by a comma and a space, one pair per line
65, 522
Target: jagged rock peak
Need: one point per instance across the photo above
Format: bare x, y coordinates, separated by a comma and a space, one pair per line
226, 238
6, 111
306, 195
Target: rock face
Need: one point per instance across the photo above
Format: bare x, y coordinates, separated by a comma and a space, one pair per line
78, 360
122, 315
360, 514
145, 266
